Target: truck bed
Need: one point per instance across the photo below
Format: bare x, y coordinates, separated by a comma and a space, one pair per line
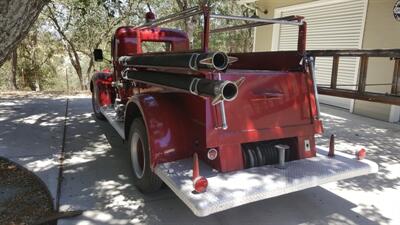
229, 190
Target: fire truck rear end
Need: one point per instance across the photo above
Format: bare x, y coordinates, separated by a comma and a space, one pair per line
221, 130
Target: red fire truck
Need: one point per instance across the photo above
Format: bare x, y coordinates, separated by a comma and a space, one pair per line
221, 130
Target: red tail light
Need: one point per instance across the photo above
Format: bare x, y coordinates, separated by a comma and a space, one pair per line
361, 154
200, 184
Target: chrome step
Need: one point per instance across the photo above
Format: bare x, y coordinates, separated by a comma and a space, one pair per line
112, 118
232, 189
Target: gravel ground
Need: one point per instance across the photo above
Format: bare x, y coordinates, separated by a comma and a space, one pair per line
24, 199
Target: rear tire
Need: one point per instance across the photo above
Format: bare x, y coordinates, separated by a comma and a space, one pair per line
95, 104
145, 180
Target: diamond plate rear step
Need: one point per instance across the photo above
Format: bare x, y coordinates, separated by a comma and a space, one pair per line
228, 190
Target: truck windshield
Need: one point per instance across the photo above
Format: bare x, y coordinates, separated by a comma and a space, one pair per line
156, 46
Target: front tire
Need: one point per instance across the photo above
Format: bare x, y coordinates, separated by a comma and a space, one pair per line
144, 178
96, 105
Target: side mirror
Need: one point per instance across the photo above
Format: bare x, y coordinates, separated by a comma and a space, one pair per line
98, 55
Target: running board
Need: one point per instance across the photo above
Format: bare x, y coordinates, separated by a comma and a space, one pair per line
232, 189
111, 116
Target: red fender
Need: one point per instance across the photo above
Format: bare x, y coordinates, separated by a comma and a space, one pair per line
102, 81
167, 129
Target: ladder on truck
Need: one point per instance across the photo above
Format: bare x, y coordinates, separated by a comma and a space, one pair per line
360, 92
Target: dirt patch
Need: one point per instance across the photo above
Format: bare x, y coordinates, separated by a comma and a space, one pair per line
24, 198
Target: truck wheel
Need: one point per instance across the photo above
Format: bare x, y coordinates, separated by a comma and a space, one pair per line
96, 105
144, 178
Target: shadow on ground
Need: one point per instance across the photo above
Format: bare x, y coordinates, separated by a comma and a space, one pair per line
380, 139
31, 132
98, 179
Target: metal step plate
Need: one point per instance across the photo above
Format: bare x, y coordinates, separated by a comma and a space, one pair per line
228, 190
111, 116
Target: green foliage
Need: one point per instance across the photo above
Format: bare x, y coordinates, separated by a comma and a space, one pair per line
85, 25
67, 31
37, 60
232, 41
226, 41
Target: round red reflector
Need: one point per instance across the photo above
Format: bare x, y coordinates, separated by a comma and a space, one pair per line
212, 154
361, 154
200, 184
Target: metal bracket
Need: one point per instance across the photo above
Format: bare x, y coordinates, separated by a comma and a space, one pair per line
310, 64
224, 124
282, 149
125, 71
117, 84
193, 61
193, 86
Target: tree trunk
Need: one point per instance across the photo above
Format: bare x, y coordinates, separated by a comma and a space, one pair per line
190, 23
37, 82
83, 86
70, 48
16, 17
14, 65
89, 70
74, 59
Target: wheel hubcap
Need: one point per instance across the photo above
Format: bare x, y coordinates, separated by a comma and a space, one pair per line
137, 155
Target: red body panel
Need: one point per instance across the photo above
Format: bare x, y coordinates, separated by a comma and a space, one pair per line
271, 105
128, 40
102, 82
169, 125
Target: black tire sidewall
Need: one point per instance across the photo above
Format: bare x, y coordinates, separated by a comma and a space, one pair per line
98, 115
149, 182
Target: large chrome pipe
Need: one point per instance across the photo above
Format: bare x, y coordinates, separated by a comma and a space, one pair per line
253, 24
177, 16
271, 21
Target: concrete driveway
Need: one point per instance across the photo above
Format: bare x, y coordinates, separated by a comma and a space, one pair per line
97, 177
